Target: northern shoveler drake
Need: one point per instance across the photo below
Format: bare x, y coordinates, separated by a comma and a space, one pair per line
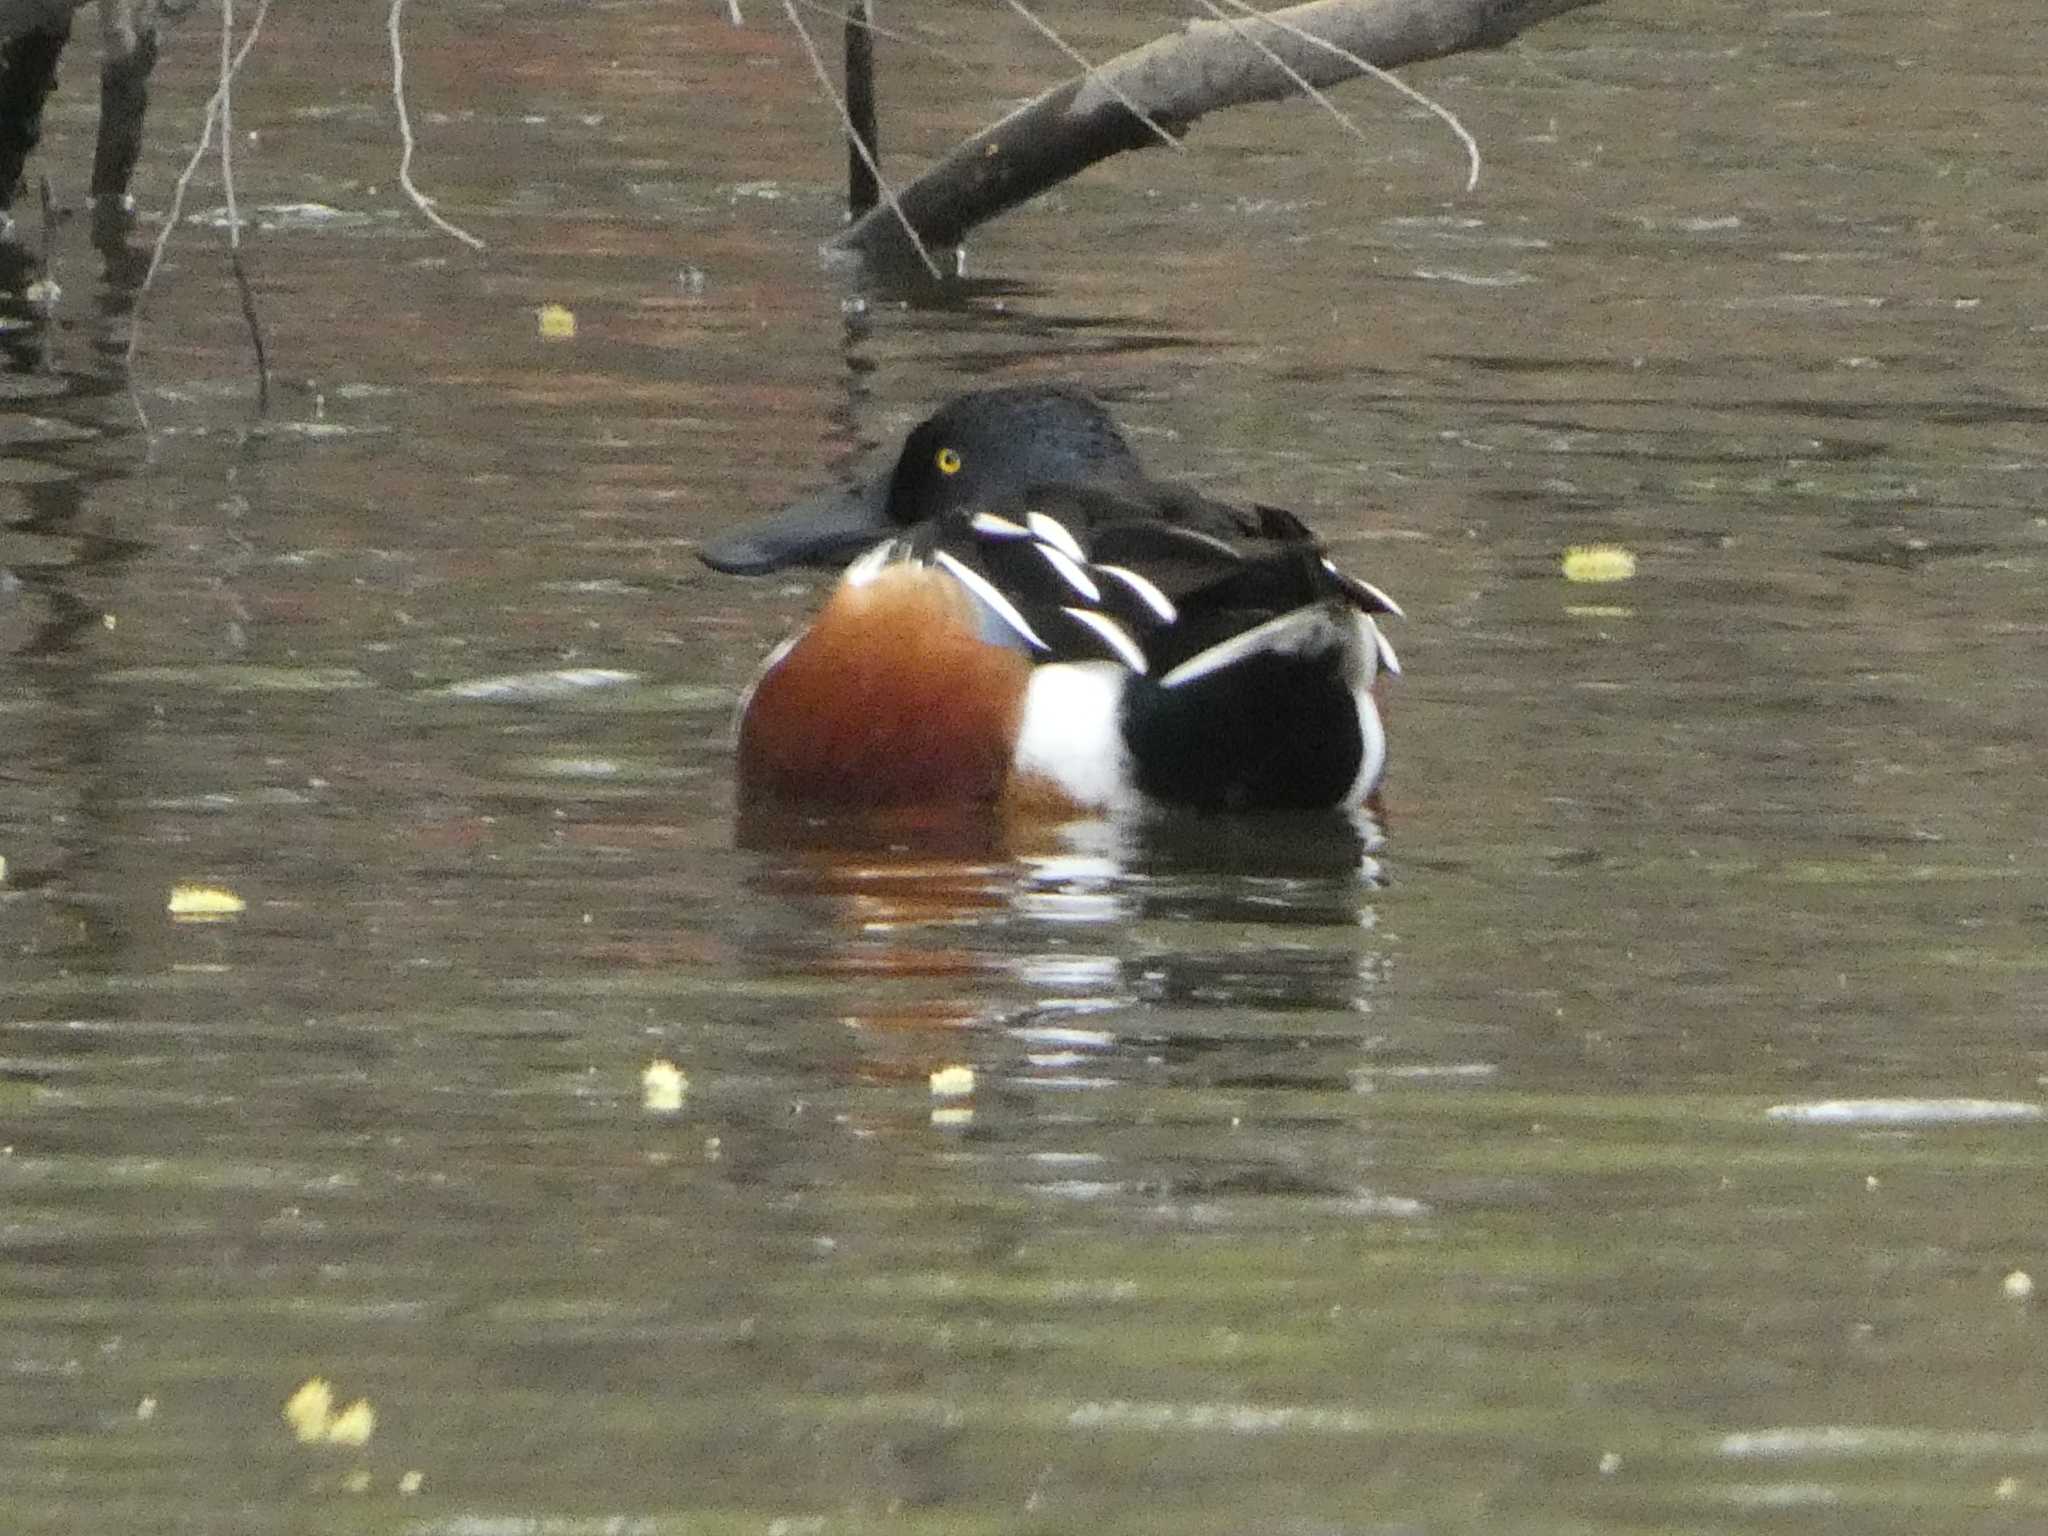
1044, 628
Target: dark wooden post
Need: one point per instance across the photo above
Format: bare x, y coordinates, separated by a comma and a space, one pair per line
862, 189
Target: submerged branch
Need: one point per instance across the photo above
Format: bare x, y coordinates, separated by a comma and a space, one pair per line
1175, 81
889, 208
243, 290
215, 105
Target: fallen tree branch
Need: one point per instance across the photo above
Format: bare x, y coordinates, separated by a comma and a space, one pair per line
1174, 81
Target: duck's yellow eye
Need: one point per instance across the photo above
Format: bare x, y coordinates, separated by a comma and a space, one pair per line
948, 460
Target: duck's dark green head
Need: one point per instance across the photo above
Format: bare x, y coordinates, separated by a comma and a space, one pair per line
976, 450
995, 443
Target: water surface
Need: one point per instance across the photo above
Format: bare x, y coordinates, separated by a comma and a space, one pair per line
1643, 1135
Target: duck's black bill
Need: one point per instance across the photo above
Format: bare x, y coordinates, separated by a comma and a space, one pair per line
828, 529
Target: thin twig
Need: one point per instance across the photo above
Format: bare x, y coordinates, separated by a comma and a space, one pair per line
42, 292
227, 123
405, 135
49, 207
888, 192
849, 13
1387, 77
227, 181
172, 215
1099, 78
1287, 69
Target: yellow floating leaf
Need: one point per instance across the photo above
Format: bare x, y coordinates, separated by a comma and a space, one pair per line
952, 1082
354, 1424
953, 1116
1598, 562
411, 1482
205, 903
662, 1087
557, 322
308, 1409
310, 1412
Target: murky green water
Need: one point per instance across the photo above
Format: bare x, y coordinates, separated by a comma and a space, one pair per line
1515, 1174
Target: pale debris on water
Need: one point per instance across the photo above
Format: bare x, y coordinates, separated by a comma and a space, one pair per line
662, 1087
204, 903
1598, 562
1896, 1112
310, 1413
353, 1425
307, 1410
1836, 1441
2018, 1286
537, 687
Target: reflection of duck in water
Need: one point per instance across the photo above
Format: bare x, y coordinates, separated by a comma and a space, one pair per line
1045, 629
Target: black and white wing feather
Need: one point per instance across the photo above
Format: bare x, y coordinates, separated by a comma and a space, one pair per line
1076, 573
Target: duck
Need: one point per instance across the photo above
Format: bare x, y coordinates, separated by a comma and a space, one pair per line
1027, 620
